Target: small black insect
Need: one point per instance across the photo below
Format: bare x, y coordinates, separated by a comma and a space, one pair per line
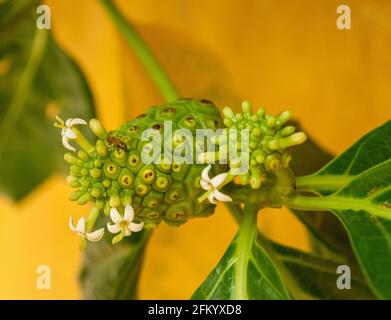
116, 142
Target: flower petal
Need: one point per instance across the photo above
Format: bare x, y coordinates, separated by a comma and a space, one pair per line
71, 225
211, 198
129, 213
205, 184
115, 216
205, 173
113, 228
66, 144
75, 121
70, 134
136, 227
81, 226
95, 235
127, 232
219, 179
221, 196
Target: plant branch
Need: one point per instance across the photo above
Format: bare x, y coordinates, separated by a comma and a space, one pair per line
141, 50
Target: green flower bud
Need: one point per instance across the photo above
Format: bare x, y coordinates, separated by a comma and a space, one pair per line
287, 131
101, 148
98, 163
84, 198
82, 155
98, 129
75, 195
106, 183
70, 158
283, 118
96, 173
73, 181
115, 201
96, 191
293, 140
85, 183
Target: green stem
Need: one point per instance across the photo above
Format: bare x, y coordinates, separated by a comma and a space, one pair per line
22, 91
247, 233
235, 210
90, 222
285, 184
322, 182
327, 203
142, 52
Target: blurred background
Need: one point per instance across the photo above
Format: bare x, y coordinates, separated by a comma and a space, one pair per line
277, 54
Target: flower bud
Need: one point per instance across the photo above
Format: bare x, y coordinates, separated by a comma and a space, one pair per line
98, 129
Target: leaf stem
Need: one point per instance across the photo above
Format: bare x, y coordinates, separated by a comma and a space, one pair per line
235, 210
323, 182
142, 52
328, 203
246, 237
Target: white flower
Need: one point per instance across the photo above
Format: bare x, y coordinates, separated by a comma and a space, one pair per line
80, 230
123, 224
67, 132
212, 185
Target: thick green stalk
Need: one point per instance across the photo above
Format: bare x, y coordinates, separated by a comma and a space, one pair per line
142, 52
247, 233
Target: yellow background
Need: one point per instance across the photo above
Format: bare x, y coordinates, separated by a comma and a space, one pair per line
278, 54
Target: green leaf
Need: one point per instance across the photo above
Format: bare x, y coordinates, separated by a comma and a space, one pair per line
362, 176
310, 277
370, 194
370, 150
245, 271
111, 272
37, 81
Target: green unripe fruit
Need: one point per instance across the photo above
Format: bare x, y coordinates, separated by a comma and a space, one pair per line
113, 174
